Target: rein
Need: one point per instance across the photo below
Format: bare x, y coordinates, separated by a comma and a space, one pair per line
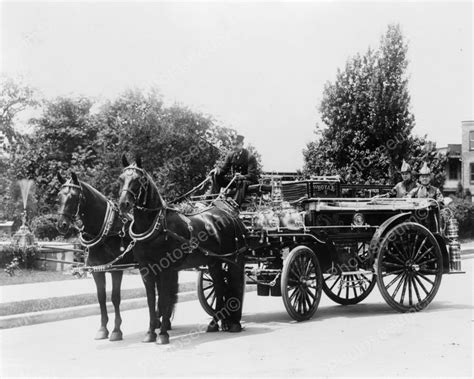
159, 223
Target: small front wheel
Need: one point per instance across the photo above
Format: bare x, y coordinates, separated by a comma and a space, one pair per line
301, 283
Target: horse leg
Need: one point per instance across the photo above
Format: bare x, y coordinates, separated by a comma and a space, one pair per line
159, 312
217, 276
234, 302
99, 279
116, 284
168, 297
149, 280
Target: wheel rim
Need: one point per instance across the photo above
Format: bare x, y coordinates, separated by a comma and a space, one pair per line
410, 269
206, 292
302, 285
348, 288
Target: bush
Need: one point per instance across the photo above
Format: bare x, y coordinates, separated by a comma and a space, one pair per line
26, 257
44, 227
464, 212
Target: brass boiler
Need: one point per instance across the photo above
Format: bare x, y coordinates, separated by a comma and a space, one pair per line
452, 234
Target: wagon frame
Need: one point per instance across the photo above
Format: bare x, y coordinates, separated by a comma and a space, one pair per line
343, 246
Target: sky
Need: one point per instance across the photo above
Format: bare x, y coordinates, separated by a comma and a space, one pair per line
259, 67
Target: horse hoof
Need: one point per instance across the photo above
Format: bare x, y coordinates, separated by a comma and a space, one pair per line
150, 337
225, 326
164, 339
116, 336
212, 327
235, 328
102, 334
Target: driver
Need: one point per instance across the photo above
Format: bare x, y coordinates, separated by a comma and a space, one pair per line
424, 189
239, 163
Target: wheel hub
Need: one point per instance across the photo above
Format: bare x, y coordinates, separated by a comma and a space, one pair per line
412, 266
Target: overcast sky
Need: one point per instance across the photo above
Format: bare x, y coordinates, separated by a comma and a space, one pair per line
257, 67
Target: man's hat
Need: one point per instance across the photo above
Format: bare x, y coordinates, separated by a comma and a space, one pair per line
425, 170
405, 167
239, 138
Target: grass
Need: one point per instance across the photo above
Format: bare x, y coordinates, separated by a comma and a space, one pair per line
37, 305
33, 276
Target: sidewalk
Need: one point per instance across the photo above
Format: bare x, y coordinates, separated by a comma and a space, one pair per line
45, 290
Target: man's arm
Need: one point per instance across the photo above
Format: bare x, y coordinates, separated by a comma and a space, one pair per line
252, 174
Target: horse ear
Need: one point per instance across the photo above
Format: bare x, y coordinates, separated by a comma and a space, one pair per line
124, 160
138, 160
60, 178
74, 178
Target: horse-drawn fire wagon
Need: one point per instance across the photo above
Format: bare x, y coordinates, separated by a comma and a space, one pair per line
304, 238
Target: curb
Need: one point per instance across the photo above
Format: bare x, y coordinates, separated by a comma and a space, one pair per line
32, 318
24, 319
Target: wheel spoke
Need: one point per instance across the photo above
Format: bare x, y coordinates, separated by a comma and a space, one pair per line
419, 249
424, 277
435, 259
209, 286
393, 264
393, 272
396, 257
414, 247
410, 301
424, 254
292, 296
210, 294
405, 282
416, 289
421, 285
394, 294
354, 285
394, 280
401, 252
335, 282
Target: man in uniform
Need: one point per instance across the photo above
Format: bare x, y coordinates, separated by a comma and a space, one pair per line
424, 189
239, 163
406, 185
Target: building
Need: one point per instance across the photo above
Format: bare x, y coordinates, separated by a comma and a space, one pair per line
467, 153
453, 168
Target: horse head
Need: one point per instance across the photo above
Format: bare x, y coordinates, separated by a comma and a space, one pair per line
69, 197
136, 187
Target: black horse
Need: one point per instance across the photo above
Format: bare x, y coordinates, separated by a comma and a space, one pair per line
105, 235
168, 241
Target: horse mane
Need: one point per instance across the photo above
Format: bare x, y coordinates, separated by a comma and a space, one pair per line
96, 193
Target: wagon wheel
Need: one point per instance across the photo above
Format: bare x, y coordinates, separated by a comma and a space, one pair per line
301, 283
409, 267
349, 289
206, 292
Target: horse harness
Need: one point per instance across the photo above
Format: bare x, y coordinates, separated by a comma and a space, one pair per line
104, 233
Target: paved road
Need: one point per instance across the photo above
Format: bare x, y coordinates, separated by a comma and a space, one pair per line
363, 340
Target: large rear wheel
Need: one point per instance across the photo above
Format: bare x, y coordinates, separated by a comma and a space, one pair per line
301, 283
409, 267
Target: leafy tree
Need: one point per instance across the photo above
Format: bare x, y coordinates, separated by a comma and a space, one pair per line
64, 138
367, 118
178, 146
15, 97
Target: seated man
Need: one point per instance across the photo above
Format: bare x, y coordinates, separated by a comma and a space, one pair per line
424, 190
239, 163
406, 185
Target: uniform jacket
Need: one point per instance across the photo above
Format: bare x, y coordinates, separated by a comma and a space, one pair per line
431, 193
402, 188
242, 162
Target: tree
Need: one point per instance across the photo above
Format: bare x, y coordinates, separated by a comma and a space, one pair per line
15, 97
64, 137
178, 146
367, 118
